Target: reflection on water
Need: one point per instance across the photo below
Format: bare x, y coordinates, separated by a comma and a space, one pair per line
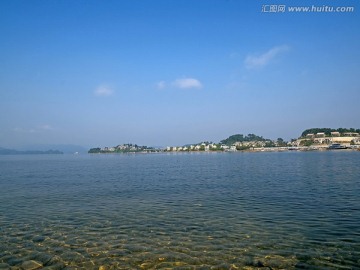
181, 211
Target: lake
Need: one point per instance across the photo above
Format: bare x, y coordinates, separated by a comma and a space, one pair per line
290, 210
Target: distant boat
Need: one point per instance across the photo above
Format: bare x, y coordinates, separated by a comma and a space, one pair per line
337, 146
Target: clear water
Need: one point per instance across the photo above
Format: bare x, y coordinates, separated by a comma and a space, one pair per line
181, 211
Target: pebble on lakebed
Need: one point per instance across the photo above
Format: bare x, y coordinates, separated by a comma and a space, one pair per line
31, 265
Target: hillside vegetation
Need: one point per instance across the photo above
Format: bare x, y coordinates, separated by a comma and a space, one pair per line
328, 131
241, 138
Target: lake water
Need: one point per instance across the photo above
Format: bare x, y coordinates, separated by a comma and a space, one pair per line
291, 210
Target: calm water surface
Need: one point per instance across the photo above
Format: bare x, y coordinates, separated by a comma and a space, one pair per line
181, 211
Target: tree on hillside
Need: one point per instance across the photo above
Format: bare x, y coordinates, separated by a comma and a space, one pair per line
269, 144
94, 150
241, 138
281, 142
306, 143
327, 131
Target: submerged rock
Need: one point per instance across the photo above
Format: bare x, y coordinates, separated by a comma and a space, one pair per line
259, 264
40, 257
39, 238
31, 265
4, 266
280, 262
11, 260
58, 266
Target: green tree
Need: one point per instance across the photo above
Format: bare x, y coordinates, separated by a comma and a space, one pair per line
242, 147
269, 144
94, 150
306, 142
281, 142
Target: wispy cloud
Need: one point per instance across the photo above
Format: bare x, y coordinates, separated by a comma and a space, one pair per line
161, 85
259, 61
103, 91
46, 127
187, 83
183, 83
234, 55
37, 129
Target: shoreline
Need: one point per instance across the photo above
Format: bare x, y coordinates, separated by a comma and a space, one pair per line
254, 150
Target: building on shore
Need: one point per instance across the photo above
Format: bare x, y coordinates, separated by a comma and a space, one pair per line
325, 141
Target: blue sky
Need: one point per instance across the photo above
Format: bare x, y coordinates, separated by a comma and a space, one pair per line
102, 73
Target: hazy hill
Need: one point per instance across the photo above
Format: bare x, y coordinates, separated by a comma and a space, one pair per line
5, 151
65, 148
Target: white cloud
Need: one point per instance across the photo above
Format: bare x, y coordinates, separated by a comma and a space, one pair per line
187, 83
103, 91
25, 130
19, 129
46, 127
161, 85
259, 61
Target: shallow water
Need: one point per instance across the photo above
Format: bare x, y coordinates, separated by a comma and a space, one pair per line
181, 211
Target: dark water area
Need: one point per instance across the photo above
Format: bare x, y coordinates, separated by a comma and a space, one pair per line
291, 210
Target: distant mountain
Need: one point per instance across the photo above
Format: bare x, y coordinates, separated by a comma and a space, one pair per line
5, 151
65, 148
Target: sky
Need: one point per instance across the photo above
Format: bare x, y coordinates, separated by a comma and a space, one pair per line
174, 72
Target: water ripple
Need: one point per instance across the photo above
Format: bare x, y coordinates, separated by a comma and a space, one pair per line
219, 211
